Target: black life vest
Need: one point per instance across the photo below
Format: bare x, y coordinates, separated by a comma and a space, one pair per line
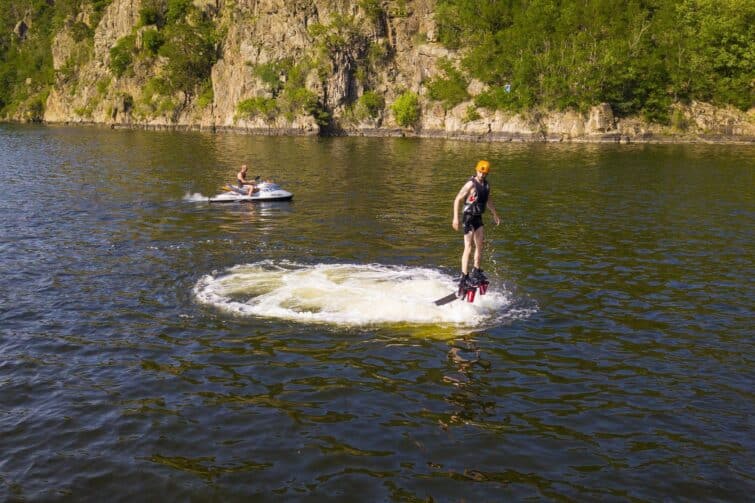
477, 202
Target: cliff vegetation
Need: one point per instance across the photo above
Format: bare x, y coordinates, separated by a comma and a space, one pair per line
494, 69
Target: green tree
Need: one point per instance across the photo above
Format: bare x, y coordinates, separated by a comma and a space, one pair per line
191, 53
640, 58
122, 55
406, 109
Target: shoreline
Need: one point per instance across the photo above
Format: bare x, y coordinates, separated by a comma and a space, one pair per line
613, 137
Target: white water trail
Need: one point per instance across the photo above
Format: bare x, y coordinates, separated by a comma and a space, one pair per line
195, 197
345, 294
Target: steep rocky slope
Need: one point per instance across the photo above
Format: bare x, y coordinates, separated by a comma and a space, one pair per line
342, 53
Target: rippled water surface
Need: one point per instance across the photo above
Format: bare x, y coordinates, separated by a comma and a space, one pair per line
153, 344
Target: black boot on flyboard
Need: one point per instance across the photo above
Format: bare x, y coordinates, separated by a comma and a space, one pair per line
469, 284
467, 288
479, 280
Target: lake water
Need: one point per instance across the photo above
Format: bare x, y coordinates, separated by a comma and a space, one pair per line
153, 344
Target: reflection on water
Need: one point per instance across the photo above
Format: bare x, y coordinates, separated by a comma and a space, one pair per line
156, 344
468, 399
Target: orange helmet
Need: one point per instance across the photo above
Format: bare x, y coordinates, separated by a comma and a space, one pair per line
483, 167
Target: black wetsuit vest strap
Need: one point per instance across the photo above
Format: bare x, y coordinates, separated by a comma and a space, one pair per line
482, 190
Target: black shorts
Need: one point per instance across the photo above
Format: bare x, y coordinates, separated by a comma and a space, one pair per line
472, 222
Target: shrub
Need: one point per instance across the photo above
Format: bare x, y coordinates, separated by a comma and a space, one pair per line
99, 7
372, 102
121, 55
152, 41
152, 13
103, 85
177, 9
373, 9
257, 106
472, 114
299, 99
155, 86
406, 109
450, 90
37, 107
497, 98
377, 54
270, 73
166, 105
206, 95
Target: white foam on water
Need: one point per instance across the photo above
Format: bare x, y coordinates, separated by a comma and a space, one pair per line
345, 294
195, 197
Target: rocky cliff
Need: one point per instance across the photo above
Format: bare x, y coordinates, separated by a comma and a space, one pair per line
316, 67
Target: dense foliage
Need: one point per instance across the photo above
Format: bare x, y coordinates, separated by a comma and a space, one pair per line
26, 72
450, 89
640, 56
285, 80
637, 55
184, 35
406, 108
372, 103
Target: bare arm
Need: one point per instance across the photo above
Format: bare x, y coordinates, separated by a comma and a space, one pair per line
243, 180
490, 206
460, 197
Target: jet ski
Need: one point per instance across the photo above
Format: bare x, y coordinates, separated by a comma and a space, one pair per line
268, 191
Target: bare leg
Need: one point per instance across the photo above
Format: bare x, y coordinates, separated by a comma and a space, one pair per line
479, 240
467, 251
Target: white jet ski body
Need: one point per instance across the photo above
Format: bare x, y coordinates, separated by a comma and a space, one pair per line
268, 191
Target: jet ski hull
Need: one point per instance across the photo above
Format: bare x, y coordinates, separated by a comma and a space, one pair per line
268, 192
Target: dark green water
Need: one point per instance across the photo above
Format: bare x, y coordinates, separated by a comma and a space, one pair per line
154, 345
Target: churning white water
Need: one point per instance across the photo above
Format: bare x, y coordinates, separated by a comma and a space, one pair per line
345, 294
196, 197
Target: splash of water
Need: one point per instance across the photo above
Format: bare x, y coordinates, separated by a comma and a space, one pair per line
345, 294
195, 197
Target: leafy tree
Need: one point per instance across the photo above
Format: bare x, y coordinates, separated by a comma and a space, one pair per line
406, 109
191, 53
122, 55
640, 58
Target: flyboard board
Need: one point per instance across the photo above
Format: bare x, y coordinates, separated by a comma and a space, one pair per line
466, 291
